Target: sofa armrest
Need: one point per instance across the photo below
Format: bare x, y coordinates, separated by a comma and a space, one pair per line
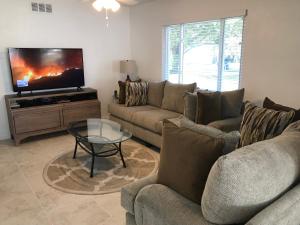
129, 192
159, 205
284, 211
227, 125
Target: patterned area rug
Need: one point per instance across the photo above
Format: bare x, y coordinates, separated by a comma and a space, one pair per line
73, 175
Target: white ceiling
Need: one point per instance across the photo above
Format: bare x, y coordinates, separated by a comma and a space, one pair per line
132, 2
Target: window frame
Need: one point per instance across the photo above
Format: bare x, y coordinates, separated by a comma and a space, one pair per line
222, 21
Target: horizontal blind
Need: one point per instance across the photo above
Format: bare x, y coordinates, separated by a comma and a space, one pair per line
232, 54
173, 55
195, 51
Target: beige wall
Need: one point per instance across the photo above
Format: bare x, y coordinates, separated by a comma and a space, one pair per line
73, 24
272, 41
271, 65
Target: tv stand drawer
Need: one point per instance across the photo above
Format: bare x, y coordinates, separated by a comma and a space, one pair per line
37, 120
79, 111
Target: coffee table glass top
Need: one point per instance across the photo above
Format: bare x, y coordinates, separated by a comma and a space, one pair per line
99, 131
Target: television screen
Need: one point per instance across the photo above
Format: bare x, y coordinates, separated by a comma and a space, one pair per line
46, 68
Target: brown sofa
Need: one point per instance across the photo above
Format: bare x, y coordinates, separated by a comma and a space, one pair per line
165, 101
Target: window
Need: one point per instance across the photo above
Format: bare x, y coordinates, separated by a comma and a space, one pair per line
208, 53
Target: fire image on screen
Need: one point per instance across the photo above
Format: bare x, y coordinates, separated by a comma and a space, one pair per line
37, 69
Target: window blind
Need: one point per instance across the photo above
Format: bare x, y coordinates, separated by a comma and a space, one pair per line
208, 53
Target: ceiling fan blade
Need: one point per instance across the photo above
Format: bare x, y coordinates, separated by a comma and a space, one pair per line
132, 2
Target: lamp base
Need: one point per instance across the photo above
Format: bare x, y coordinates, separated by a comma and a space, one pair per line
128, 78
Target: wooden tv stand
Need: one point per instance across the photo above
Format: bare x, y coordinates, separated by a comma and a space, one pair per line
47, 112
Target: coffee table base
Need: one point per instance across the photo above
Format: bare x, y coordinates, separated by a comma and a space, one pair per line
95, 151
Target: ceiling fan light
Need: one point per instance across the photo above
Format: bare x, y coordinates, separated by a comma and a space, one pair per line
115, 6
106, 4
98, 5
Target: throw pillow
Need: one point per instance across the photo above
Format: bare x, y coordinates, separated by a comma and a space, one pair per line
156, 93
186, 159
173, 96
122, 89
231, 139
269, 104
260, 124
190, 105
136, 93
122, 92
232, 102
208, 107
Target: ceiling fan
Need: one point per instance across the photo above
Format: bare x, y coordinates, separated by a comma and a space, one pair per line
107, 5
112, 5
124, 2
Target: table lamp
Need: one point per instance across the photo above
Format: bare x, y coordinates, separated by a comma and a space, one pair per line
128, 67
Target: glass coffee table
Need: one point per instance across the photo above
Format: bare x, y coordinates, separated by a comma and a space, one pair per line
99, 138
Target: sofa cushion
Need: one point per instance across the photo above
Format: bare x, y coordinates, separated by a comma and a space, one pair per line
159, 205
227, 125
173, 96
284, 211
190, 105
185, 160
136, 93
232, 102
153, 120
140, 132
260, 124
156, 93
294, 127
231, 138
269, 104
208, 107
126, 113
247, 180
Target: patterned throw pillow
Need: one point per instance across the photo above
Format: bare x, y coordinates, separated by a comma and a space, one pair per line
261, 124
136, 93
122, 89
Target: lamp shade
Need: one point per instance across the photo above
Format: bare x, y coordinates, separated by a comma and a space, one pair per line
128, 67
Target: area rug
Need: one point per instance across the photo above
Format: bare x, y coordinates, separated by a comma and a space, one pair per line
73, 175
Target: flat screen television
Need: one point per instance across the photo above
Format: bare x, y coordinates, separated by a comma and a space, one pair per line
46, 68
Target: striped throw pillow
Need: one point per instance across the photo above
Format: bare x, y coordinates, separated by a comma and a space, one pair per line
136, 93
261, 124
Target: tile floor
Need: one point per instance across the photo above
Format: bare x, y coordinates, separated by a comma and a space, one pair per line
25, 199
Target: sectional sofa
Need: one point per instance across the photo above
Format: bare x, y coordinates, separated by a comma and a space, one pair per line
165, 101
254, 185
